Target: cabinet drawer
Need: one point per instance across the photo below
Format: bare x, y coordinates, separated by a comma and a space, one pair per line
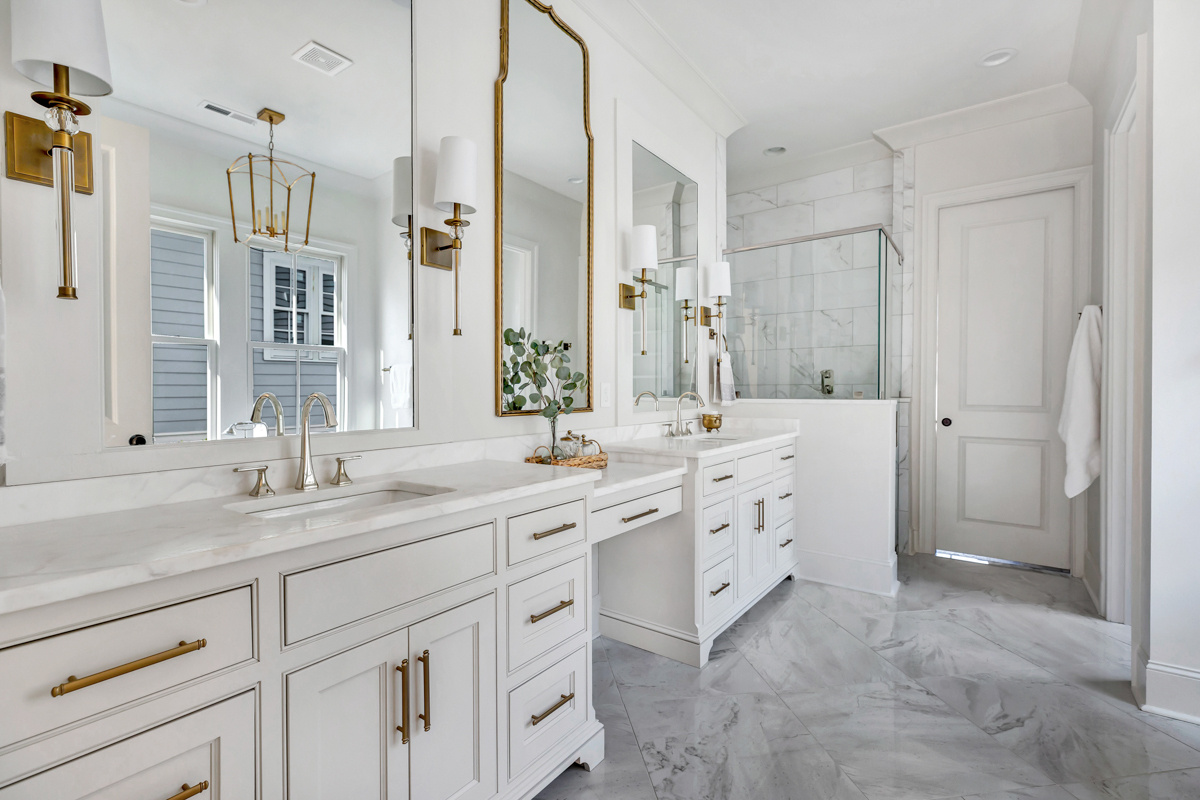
785, 545
755, 466
716, 528
718, 477
323, 598
635, 513
546, 709
718, 590
538, 532
217, 629
785, 456
785, 496
214, 745
546, 610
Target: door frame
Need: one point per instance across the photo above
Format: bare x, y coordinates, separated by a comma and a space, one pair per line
925, 296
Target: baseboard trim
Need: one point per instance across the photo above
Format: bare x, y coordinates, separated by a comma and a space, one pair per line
847, 572
635, 635
1172, 691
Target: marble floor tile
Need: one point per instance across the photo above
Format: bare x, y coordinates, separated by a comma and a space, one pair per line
1070, 734
1047, 637
897, 741
1178, 785
808, 652
644, 677
1036, 793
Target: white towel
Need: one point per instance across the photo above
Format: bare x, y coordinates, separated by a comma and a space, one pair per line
723, 390
3, 452
1079, 425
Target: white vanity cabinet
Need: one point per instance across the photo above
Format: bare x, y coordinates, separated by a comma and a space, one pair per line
754, 540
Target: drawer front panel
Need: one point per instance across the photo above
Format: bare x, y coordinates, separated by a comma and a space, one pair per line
28, 672
545, 709
719, 591
785, 545
546, 610
636, 513
214, 745
323, 598
538, 532
785, 456
785, 496
751, 467
719, 477
716, 528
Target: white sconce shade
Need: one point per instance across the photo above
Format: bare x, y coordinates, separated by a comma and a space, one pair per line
685, 283
65, 32
717, 280
456, 175
402, 191
644, 248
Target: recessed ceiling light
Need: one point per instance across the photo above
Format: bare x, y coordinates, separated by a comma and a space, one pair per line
998, 57
774, 151
575, 181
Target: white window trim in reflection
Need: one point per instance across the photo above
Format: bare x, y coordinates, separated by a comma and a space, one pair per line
210, 341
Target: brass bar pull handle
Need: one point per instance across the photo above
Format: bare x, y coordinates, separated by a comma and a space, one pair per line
785, 458
564, 699
189, 791
427, 716
722, 478
719, 528
639, 516
785, 544
785, 496
403, 726
553, 531
555, 610
716, 592
74, 683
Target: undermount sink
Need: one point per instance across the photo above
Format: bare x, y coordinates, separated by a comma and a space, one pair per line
337, 500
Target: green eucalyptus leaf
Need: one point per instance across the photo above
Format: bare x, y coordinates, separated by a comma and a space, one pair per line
519, 402
519, 349
568, 402
562, 373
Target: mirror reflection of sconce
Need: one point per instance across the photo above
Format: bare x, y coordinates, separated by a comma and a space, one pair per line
60, 44
717, 279
644, 260
402, 198
685, 290
454, 193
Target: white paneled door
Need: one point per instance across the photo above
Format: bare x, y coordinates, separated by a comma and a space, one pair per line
1005, 323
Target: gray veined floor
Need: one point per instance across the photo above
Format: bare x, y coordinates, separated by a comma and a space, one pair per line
977, 682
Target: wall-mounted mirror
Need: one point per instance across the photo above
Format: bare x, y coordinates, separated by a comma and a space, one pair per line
543, 204
213, 294
664, 352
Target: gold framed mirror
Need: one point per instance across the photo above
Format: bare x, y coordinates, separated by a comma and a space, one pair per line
544, 213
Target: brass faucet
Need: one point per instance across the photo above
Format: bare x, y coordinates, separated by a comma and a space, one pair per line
256, 416
307, 479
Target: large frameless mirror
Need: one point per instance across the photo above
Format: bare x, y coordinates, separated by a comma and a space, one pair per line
256, 225
543, 215
664, 342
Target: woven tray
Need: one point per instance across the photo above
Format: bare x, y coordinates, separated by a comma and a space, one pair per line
596, 461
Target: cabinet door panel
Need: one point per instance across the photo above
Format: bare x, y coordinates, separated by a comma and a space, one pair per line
456, 756
342, 715
754, 557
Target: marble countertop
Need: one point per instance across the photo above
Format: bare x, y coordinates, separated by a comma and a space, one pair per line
48, 562
707, 445
621, 475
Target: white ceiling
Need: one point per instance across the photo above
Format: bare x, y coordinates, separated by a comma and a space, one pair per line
815, 75
168, 56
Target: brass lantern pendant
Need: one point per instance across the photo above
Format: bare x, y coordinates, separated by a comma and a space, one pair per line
273, 188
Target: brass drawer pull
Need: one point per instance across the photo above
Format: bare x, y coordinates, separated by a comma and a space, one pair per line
719, 528
722, 478
566, 698
555, 610
74, 683
190, 791
403, 726
785, 458
785, 496
427, 716
639, 516
716, 592
553, 531
785, 544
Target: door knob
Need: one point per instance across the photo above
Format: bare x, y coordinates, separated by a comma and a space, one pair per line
947, 422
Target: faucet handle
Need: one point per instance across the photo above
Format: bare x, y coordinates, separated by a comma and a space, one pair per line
341, 478
670, 426
261, 487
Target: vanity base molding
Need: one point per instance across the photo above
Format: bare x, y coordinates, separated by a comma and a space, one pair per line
859, 574
585, 748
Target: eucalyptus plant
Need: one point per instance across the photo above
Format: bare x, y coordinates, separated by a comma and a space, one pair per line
536, 376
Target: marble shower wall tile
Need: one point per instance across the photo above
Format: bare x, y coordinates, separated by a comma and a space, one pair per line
827, 184
870, 207
749, 202
873, 175
778, 223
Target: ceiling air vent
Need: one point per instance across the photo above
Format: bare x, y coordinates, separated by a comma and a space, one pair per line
322, 59
227, 112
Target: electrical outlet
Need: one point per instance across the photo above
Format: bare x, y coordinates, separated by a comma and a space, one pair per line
606, 395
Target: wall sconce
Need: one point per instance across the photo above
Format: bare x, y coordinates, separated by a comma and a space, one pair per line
402, 198
454, 193
644, 259
685, 290
717, 278
60, 44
